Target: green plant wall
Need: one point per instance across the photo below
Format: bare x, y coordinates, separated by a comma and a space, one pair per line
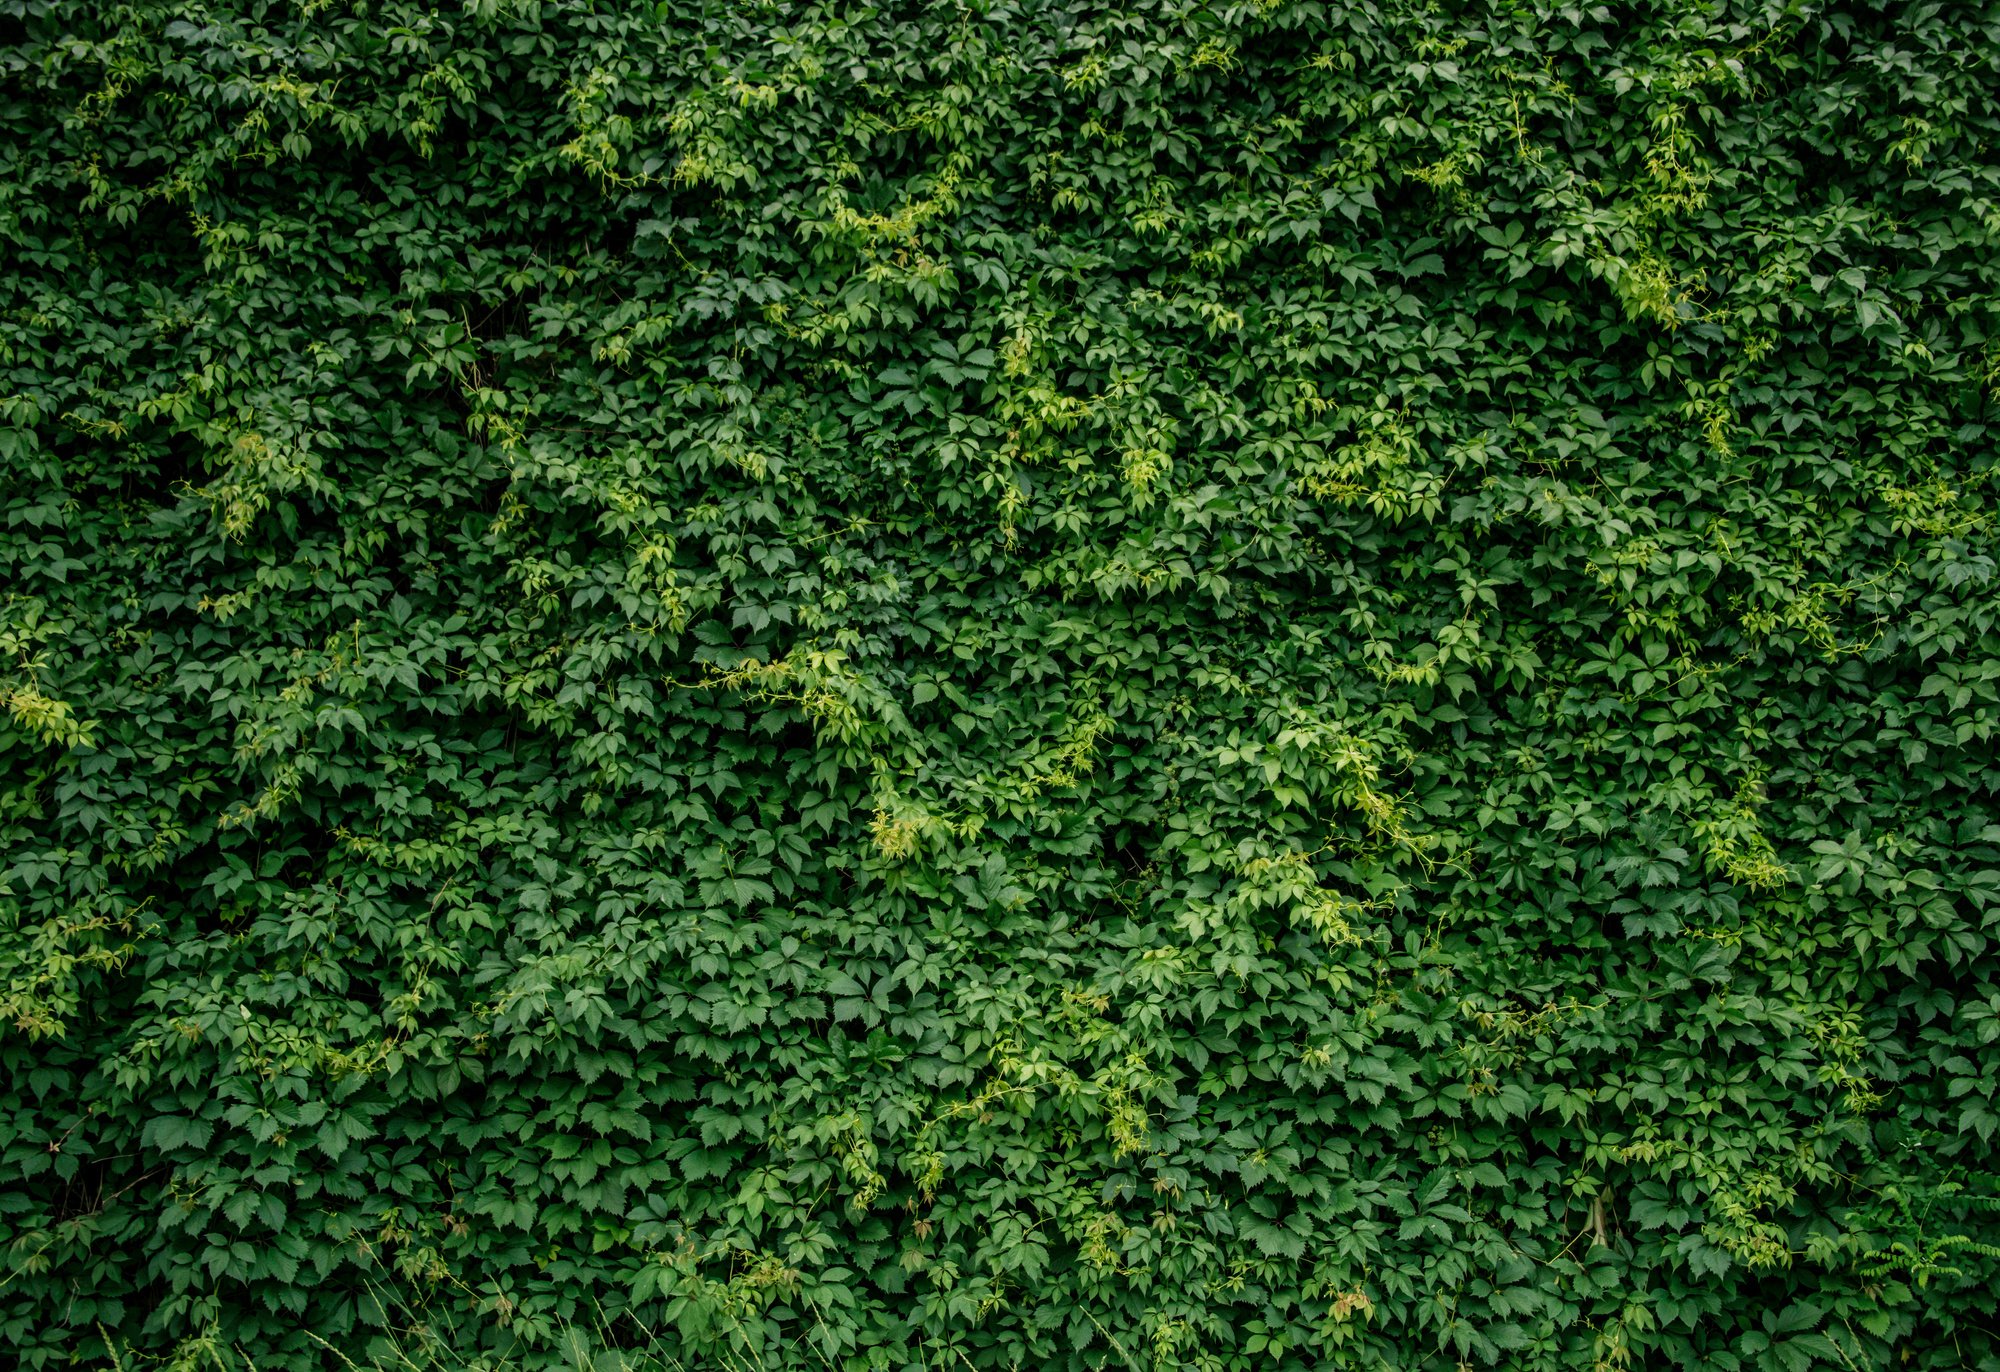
999, 685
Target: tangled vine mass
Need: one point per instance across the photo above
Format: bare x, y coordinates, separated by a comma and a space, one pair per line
878, 685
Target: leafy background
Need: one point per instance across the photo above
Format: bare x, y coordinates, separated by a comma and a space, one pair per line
987, 685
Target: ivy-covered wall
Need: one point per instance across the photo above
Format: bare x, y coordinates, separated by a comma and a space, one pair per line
999, 684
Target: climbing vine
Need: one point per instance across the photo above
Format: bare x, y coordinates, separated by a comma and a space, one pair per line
999, 685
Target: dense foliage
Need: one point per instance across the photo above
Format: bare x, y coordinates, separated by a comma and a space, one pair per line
999, 684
